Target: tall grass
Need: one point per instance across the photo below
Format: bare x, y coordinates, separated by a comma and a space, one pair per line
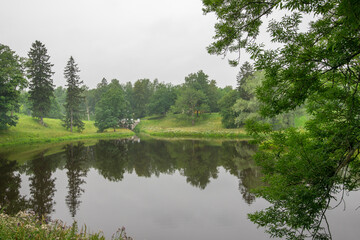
29, 130
25, 226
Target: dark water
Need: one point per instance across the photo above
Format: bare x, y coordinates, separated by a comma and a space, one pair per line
156, 189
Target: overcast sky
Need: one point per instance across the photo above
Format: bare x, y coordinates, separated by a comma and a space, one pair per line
122, 39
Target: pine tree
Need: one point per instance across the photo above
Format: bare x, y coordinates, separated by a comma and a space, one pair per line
41, 84
245, 75
74, 97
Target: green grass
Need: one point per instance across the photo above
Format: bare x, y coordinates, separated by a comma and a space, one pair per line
176, 125
29, 131
300, 121
25, 225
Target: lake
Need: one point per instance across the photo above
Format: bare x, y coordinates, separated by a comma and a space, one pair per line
156, 189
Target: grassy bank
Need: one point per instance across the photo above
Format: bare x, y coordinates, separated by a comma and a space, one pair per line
29, 131
25, 225
207, 126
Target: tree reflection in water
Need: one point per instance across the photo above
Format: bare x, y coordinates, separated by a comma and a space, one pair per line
42, 185
76, 158
10, 182
197, 161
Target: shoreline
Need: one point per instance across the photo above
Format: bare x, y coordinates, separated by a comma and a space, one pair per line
30, 141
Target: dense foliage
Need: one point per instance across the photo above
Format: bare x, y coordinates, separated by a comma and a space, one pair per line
111, 108
11, 81
163, 98
318, 67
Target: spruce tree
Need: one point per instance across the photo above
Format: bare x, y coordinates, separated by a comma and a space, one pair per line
74, 97
41, 85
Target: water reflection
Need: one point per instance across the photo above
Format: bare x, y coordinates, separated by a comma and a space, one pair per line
197, 161
110, 158
76, 157
42, 185
9, 187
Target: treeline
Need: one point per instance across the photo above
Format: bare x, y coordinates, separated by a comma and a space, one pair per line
27, 87
112, 104
242, 104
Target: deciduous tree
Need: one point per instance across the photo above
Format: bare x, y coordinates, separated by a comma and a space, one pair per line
11, 82
111, 108
319, 67
162, 99
142, 92
191, 102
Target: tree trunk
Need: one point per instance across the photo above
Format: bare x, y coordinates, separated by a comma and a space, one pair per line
88, 112
71, 121
41, 121
114, 129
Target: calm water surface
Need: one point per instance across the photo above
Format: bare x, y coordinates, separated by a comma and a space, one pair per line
156, 189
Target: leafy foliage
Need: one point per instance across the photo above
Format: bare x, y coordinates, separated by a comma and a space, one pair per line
142, 92
320, 68
244, 78
162, 99
111, 108
200, 82
191, 102
227, 112
57, 109
11, 81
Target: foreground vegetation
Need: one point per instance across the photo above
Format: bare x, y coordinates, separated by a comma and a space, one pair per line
26, 226
304, 170
29, 130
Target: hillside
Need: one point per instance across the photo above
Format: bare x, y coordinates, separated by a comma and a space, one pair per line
28, 130
174, 125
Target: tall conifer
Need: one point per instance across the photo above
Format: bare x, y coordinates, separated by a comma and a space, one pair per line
74, 97
41, 85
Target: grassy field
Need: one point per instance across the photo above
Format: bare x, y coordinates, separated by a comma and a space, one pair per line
28, 130
300, 121
207, 126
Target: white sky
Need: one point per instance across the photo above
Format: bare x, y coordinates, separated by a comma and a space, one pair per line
122, 39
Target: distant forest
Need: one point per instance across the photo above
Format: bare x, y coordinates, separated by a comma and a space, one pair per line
30, 91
